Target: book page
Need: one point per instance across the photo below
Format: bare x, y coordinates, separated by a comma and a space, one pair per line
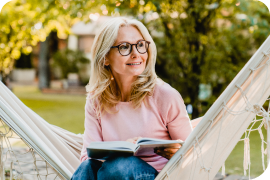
157, 141
113, 145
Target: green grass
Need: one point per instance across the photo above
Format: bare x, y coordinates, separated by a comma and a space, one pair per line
67, 111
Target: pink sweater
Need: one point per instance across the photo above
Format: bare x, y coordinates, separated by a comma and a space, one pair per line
166, 118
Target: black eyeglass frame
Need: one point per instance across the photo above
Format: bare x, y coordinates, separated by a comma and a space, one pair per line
132, 46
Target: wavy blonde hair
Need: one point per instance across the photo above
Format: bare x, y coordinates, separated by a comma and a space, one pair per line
104, 92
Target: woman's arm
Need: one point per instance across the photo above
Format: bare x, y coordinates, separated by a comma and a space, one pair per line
92, 130
177, 121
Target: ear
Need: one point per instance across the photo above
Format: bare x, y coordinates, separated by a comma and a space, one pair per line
107, 63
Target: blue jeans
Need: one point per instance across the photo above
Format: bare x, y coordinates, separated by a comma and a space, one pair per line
118, 168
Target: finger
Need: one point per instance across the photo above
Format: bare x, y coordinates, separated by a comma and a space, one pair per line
136, 138
176, 146
166, 155
167, 149
171, 150
131, 141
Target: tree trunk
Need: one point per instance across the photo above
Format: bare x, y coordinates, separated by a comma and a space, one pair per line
43, 65
47, 49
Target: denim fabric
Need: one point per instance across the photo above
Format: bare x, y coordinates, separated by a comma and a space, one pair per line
118, 168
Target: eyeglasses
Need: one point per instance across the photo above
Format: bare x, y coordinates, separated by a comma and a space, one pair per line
126, 48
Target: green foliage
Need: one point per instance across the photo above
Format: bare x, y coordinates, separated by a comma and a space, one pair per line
25, 23
69, 61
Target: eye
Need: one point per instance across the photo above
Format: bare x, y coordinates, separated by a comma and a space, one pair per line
124, 46
141, 44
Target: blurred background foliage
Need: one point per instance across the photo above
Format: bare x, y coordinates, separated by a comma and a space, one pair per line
69, 61
198, 42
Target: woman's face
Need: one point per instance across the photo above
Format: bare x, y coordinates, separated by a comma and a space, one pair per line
123, 66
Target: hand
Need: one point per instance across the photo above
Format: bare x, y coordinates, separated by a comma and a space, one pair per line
133, 140
167, 152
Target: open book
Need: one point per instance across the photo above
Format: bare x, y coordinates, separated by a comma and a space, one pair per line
143, 147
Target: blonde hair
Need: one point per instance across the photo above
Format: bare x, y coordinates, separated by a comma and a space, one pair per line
105, 93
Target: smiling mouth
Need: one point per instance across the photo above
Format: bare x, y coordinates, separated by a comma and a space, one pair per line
132, 64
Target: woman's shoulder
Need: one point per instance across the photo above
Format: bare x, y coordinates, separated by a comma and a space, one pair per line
91, 101
167, 100
164, 91
165, 96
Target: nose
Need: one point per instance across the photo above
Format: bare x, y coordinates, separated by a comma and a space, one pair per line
134, 52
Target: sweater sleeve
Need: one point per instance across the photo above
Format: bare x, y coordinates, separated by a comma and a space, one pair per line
178, 122
92, 130
173, 111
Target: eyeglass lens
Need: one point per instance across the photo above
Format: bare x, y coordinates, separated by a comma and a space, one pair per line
125, 48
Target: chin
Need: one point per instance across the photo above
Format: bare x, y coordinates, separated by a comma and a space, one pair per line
138, 73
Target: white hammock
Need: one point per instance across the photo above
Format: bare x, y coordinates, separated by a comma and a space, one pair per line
204, 151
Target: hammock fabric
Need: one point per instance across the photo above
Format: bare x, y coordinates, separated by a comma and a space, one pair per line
204, 151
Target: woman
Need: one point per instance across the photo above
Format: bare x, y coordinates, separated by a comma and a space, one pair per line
126, 101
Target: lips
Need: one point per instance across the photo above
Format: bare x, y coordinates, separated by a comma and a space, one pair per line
134, 64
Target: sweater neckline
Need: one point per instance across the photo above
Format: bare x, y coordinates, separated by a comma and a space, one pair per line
124, 102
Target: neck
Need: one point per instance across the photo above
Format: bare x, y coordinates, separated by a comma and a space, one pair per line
124, 84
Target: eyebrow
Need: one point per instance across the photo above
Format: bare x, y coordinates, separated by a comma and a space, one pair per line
127, 41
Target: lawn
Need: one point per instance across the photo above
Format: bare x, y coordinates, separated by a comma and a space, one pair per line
67, 111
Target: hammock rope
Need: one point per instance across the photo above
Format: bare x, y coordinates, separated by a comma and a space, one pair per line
13, 163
